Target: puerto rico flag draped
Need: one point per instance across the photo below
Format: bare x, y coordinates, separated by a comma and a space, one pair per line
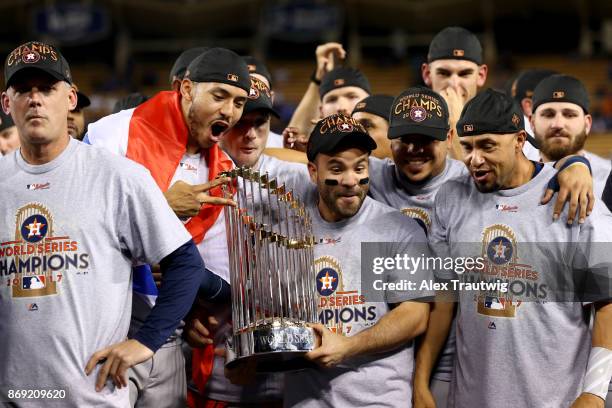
154, 134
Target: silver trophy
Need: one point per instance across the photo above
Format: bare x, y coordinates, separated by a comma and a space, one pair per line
270, 244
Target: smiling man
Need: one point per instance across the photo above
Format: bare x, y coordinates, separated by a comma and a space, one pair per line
561, 123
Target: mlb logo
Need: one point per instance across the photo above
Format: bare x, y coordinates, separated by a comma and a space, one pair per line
232, 77
32, 307
339, 82
492, 302
252, 68
458, 53
360, 105
33, 282
468, 128
492, 326
558, 94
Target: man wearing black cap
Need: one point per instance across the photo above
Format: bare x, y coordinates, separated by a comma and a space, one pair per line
561, 123
259, 70
87, 217
9, 138
360, 358
177, 72
516, 342
76, 117
455, 70
373, 113
175, 136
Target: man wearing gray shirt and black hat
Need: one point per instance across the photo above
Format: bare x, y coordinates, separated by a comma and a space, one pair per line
526, 343
366, 356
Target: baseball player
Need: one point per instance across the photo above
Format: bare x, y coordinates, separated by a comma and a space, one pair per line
66, 258
366, 355
515, 344
373, 113
9, 138
76, 117
561, 123
175, 135
177, 72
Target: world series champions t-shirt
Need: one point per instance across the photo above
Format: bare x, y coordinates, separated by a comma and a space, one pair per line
379, 380
390, 186
70, 232
526, 346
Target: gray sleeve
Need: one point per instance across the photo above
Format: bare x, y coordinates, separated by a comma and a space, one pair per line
148, 229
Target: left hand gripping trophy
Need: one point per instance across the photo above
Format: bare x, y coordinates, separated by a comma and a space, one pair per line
270, 245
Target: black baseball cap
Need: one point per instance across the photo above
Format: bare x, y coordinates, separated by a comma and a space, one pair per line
337, 130
260, 98
258, 67
130, 101
490, 112
561, 88
341, 77
83, 100
379, 105
183, 61
419, 111
220, 65
6, 121
36, 55
527, 82
455, 43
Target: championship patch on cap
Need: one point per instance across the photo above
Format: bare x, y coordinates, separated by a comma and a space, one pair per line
259, 98
418, 111
338, 130
37, 55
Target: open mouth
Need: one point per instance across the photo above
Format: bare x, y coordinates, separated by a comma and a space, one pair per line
217, 128
480, 175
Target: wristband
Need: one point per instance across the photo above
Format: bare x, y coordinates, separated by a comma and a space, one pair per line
313, 77
576, 159
599, 372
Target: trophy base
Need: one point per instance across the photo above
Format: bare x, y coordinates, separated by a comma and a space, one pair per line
274, 347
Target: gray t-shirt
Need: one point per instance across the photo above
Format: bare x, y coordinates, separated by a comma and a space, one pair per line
375, 380
517, 348
389, 185
601, 169
70, 231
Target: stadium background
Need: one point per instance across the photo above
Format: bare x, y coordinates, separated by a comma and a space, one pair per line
116, 47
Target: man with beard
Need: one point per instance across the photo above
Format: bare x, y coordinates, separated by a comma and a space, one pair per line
364, 360
373, 113
514, 345
561, 123
175, 134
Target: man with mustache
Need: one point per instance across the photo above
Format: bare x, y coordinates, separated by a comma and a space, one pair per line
561, 123
366, 355
514, 345
175, 134
82, 217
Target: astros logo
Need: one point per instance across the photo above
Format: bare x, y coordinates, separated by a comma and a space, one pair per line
253, 93
418, 114
327, 281
500, 251
34, 228
345, 127
30, 57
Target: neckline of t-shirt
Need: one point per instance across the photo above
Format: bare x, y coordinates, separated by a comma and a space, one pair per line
53, 164
544, 173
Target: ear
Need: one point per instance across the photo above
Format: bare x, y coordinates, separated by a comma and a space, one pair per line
176, 84
521, 138
482, 75
272, 96
186, 89
526, 105
72, 98
426, 74
312, 170
6, 103
588, 122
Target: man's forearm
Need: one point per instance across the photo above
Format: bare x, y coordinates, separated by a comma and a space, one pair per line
432, 342
307, 110
402, 324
